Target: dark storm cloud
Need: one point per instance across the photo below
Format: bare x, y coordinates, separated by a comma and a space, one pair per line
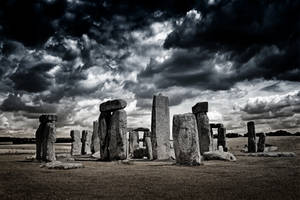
260, 38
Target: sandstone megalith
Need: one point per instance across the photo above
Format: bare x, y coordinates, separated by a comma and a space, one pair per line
76, 143
186, 141
45, 138
86, 140
112, 129
222, 137
251, 137
204, 134
261, 142
133, 141
160, 127
147, 135
95, 146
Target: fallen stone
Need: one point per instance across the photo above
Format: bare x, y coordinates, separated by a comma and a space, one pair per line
61, 165
201, 107
270, 148
113, 105
186, 141
272, 154
96, 155
30, 158
219, 155
160, 127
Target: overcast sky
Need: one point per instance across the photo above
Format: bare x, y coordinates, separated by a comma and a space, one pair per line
68, 56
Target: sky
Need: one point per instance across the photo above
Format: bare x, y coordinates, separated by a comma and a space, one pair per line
68, 56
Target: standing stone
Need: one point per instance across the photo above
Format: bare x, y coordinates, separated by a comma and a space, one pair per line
251, 137
117, 141
45, 138
204, 133
211, 146
147, 135
222, 138
86, 140
76, 143
95, 146
186, 141
104, 124
261, 142
160, 127
133, 141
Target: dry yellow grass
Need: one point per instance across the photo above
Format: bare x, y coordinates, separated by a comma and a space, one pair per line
248, 178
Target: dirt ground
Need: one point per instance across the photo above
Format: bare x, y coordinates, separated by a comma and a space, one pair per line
248, 178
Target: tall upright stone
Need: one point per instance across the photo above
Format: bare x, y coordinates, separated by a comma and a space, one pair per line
251, 137
205, 139
86, 139
147, 135
117, 141
76, 143
261, 142
160, 127
103, 126
95, 146
222, 137
133, 141
186, 141
45, 138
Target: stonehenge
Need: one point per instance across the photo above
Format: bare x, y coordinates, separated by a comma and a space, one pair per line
160, 127
205, 138
221, 139
252, 148
76, 143
261, 142
45, 138
186, 141
86, 140
112, 130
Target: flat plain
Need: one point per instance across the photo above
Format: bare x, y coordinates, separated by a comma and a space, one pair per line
247, 178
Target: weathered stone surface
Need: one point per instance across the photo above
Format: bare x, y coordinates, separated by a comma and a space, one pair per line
49, 134
76, 143
222, 138
117, 132
201, 107
160, 127
186, 141
104, 124
252, 148
261, 142
96, 155
219, 155
272, 154
113, 105
62, 165
95, 146
147, 135
86, 140
133, 141
39, 137
204, 134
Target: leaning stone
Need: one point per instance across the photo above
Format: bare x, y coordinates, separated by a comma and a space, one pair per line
117, 136
272, 154
95, 146
261, 142
201, 107
113, 105
86, 140
186, 142
160, 127
219, 155
76, 143
204, 135
62, 165
251, 137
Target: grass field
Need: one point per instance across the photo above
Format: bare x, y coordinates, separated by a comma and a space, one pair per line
248, 178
